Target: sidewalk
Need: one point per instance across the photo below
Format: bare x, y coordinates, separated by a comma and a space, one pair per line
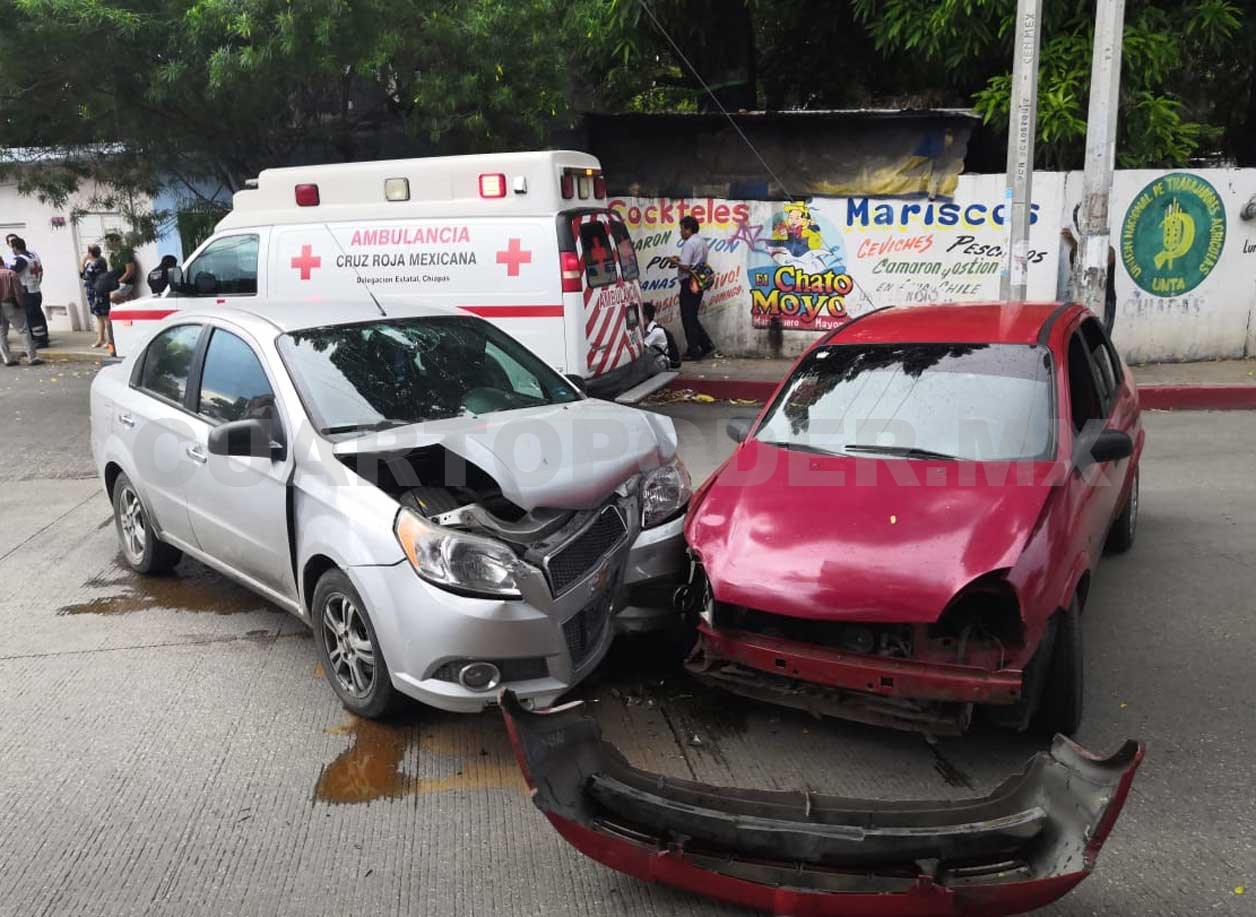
70, 347
1210, 385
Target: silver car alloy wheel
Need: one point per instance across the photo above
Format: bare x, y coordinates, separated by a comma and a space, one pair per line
348, 644
133, 525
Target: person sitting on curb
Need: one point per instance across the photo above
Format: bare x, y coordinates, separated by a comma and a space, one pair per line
123, 260
660, 341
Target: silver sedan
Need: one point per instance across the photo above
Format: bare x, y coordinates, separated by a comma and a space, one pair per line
447, 512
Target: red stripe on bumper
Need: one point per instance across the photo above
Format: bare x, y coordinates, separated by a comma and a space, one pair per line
867, 674
515, 311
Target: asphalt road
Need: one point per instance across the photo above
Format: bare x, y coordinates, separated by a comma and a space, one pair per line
169, 746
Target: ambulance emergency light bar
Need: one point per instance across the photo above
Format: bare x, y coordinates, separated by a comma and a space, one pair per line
583, 183
579, 183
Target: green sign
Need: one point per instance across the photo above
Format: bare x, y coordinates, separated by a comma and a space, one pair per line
1173, 234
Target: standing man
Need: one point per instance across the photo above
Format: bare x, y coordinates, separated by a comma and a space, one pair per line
693, 254
12, 313
30, 272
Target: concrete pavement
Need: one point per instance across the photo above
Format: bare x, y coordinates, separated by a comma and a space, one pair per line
170, 746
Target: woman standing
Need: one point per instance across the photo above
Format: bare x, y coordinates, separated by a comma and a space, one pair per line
93, 266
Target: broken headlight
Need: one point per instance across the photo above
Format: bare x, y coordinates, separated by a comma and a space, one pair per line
665, 491
457, 560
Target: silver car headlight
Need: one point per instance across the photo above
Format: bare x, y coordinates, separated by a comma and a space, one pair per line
457, 560
664, 492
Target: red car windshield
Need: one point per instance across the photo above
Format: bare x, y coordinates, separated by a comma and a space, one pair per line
980, 402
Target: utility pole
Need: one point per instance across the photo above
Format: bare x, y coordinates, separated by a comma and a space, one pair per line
1022, 128
1090, 266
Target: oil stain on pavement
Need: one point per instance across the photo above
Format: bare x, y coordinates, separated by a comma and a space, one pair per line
374, 765
195, 589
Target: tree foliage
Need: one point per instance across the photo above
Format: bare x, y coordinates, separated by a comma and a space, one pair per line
1181, 62
205, 93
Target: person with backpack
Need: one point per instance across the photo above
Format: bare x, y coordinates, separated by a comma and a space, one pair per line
661, 341
30, 274
159, 277
93, 266
694, 275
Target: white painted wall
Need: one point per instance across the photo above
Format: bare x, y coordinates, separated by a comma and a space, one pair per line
921, 252
61, 248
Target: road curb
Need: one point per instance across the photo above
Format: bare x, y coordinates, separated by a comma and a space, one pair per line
1202, 396
76, 356
1239, 396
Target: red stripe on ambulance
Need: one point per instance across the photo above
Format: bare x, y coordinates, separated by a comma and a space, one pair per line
515, 311
139, 315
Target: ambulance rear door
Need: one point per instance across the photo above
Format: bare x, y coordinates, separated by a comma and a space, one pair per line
608, 335
503, 269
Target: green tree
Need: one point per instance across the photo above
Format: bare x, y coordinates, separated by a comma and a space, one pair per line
203, 94
1183, 64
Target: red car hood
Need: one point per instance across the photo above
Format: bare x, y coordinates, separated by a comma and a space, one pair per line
839, 537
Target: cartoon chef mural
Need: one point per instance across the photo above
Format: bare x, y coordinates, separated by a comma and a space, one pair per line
805, 284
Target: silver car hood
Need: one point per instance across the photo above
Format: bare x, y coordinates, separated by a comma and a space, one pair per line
565, 456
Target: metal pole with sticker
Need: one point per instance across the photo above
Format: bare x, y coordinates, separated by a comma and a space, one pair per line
1022, 127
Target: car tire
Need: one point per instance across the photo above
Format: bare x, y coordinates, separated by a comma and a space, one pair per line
1121, 538
348, 648
1060, 707
143, 550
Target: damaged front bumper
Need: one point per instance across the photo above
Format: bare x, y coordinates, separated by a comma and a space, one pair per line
898, 693
1023, 846
657, 566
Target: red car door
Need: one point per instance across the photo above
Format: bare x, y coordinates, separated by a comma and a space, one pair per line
1094, 489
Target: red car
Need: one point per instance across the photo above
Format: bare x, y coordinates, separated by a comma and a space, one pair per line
909, 529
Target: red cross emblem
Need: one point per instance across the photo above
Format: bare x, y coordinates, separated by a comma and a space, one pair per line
512, 256
306, 262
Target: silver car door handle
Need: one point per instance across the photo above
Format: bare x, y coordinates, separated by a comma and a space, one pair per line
196, 455
126, 420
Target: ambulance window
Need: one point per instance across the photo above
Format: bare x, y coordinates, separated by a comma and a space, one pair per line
227, 267
599, 256
627, 252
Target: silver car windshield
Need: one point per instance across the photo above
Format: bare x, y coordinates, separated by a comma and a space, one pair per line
980, 402
392, 372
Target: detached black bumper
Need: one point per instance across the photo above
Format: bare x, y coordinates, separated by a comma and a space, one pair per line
795, 853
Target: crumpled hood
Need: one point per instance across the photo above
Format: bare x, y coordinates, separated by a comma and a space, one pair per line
773, 536
564, 456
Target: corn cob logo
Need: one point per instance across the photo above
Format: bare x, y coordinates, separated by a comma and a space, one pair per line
1173, 234
1179, 234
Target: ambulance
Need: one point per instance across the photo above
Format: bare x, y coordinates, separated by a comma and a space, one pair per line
524, 240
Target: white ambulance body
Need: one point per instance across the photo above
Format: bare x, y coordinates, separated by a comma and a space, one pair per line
525, 240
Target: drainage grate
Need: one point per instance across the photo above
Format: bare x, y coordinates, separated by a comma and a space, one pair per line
577, 557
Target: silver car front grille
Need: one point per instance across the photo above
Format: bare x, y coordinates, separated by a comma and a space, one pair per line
577, 557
